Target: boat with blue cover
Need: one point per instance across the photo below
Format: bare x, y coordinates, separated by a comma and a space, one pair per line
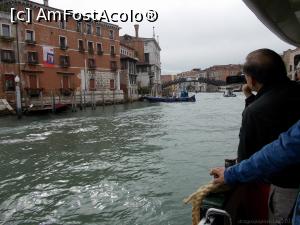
169, 99
184, 97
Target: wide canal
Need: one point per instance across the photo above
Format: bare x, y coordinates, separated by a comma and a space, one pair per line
119, 165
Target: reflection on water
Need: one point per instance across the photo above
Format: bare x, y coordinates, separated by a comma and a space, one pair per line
125, 164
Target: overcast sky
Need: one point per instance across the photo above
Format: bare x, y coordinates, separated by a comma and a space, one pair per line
192, 33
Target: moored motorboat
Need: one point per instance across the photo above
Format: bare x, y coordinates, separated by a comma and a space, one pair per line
169, 99
229, 93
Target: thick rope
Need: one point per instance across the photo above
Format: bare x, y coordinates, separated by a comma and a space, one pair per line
196, 199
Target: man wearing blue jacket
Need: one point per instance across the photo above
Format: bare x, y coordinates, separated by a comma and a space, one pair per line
264, 164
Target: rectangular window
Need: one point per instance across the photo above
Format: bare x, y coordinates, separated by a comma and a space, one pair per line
5, 30
7, 56
79, 27
63, 42
123, 65
92, 85
99, 49
144, 69
131, 68
89, 28
33, 58
146, 57
64, 61
113, 65
65, 82
9, 83
29, 35
112, 50
91, 63
33, 81
62, 24
81, 45
90, 47
98, 31
112, 84
111, 35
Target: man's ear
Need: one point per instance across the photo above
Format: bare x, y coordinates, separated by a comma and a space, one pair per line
253, 81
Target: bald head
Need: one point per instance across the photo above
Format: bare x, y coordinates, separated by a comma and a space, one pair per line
266, 67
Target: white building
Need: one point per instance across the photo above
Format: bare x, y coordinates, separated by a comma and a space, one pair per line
291, 59
152, 58
149, 64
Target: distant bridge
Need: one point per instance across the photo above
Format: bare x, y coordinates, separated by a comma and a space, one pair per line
238, 79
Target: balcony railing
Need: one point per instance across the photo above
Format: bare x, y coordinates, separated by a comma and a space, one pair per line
30, 42
151, 74
81, 49
92, 66
91, 51
8, 60
64, 47
33, 61
65, 64
7, 38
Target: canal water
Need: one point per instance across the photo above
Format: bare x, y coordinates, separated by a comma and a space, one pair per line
119, 165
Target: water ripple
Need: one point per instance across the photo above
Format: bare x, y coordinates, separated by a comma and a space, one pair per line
125, 164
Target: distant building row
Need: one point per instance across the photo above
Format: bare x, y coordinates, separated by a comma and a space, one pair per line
217, 72
290, 57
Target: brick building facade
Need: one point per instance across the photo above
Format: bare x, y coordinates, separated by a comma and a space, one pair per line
58, 57
221, 72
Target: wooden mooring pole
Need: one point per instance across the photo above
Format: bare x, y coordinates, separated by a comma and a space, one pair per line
74, 102
81, 104
93, 100
53, 102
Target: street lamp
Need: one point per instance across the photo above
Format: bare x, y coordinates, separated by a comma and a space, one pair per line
18, 97
17, 80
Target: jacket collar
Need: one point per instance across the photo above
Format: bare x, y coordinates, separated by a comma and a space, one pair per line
267, 88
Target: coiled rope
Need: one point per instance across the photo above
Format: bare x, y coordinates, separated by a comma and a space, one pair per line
196, 199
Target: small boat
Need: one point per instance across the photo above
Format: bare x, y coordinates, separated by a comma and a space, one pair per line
169, 99
229, 93
184, 97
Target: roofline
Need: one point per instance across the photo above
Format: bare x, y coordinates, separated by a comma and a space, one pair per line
152, 39
143, 39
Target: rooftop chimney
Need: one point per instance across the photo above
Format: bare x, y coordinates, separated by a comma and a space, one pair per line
46, 2
136, 27
153, 32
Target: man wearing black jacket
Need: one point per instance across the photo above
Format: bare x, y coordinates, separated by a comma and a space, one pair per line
274, 109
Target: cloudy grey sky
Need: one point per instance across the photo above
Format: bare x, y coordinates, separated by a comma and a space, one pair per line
192, 33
